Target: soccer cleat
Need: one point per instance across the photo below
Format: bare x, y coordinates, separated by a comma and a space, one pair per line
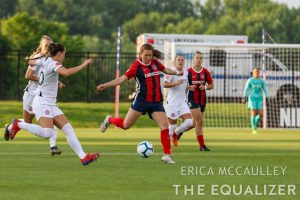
254, 131
14, 129
104, 125
167, 159
204, 148
55, 150
175, 140
6, 132
179, 136
89, 158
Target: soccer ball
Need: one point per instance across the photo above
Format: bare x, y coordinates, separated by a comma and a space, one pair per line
145, 149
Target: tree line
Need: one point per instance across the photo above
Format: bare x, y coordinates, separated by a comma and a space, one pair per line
88, 25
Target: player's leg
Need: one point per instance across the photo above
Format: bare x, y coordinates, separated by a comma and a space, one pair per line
62, 123
136, 110
198, 118
258, 117
187, 124
161, 120
172, 127
252, 119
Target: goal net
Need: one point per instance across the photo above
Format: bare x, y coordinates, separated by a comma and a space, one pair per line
231, 65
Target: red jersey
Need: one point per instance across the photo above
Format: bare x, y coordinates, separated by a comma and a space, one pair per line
198, 78
148, 80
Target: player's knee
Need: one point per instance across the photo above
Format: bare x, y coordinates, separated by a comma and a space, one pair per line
189, 122
48, 132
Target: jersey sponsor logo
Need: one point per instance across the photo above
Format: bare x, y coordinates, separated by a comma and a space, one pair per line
152, 74
197, 82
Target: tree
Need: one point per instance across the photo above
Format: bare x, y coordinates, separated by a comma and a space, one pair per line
24, 32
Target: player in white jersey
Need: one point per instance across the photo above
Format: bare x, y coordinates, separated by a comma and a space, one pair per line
44, 104
176, 105
32, 74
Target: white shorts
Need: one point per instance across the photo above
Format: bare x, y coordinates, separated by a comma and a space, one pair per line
174, 112
27, 102
44, 110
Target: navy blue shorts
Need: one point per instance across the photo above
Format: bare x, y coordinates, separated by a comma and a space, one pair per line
193, 105
149, 108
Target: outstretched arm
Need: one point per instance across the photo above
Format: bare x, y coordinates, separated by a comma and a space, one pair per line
73, 70
117, 81
172, 72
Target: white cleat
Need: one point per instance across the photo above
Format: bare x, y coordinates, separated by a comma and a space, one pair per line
167, 159
104, 125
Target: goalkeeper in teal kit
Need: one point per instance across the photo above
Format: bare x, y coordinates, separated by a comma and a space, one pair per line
253, 92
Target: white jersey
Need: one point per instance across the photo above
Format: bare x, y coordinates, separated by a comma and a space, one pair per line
48, 80
177, 95
33, 85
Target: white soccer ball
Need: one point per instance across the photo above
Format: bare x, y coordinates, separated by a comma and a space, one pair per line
145, 149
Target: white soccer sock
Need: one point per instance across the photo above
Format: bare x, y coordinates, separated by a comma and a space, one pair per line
186, 125
52, 140
72, 140
172, 128
36, 130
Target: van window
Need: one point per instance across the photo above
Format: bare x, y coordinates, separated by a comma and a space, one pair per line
217, 58
271, 65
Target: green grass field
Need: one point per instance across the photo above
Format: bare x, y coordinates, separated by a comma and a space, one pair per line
88, 115
29, 172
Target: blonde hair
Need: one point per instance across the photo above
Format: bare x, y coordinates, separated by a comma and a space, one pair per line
40, 47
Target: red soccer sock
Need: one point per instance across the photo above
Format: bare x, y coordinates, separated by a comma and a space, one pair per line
165, 141
200, 139
117, 122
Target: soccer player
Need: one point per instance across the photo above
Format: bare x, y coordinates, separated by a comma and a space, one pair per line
253, 92
32, 74
46, 111
199, 80
176, 104
148, 97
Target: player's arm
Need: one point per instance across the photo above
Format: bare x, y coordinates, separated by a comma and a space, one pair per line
172, 72
246, 89
29, 75
117, 81
210, 86
173, 84
265, 89
73, 70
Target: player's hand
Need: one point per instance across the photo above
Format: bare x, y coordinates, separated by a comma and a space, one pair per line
202, 87
179, 73
87, 62
192, 87
101, 87
61, 85
245, 100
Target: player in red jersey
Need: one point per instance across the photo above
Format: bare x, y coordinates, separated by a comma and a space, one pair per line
199, 80
148, 99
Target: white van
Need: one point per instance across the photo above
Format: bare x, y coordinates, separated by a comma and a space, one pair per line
231, 65
159, 40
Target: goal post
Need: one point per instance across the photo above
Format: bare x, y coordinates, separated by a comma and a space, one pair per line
231, 65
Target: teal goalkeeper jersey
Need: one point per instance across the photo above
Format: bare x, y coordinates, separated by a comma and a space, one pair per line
254, 89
